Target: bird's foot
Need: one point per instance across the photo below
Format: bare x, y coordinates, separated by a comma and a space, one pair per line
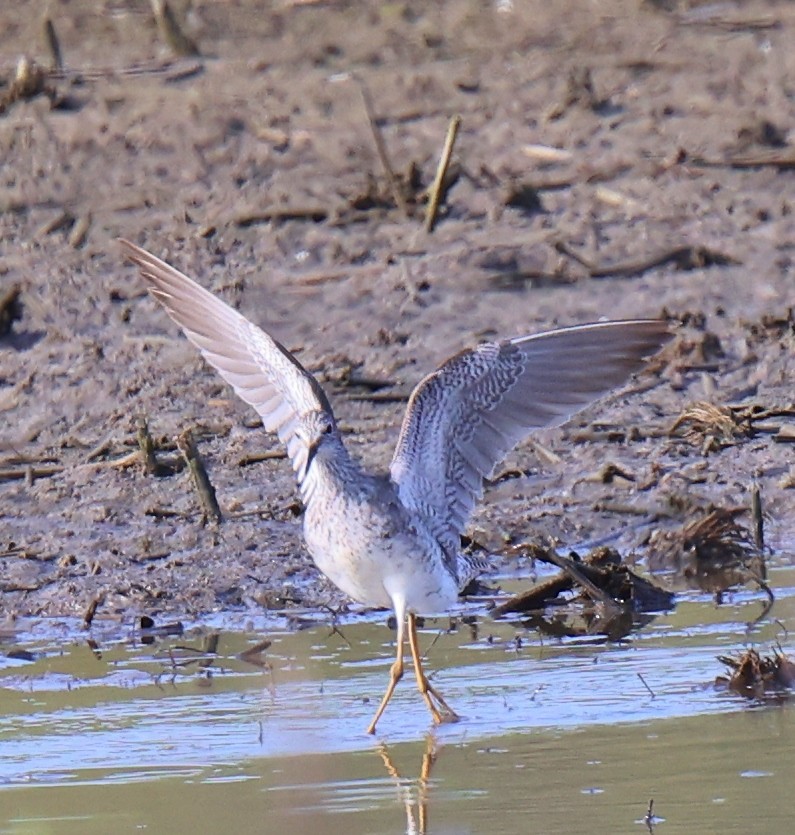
442, 713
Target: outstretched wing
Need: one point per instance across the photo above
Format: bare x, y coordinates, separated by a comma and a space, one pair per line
465, 417
262, 372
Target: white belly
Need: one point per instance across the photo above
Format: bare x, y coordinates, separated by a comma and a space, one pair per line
372, 562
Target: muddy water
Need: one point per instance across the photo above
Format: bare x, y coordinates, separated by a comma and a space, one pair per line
557, 736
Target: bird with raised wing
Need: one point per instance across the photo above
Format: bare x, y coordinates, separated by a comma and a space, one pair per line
393, 540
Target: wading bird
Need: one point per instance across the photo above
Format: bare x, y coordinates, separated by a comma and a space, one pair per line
394, 540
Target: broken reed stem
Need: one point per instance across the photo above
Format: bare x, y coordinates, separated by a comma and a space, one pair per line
201, 481
91, 610
53, 46
180, 44
147, 446
29, 473
437, 188
380, 146
651, 692
10, 308
595, 593
756, 517
79, 232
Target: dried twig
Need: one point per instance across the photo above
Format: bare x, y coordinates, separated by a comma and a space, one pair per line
594, 592
29, 473
179, 43
79, 233
10, 308
91, 610
683, 257
257, 457
756, 517
53, 46
147, 447
311, 214
201, 480
763, 159
436, 193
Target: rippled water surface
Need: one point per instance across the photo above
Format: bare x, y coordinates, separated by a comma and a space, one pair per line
106, 734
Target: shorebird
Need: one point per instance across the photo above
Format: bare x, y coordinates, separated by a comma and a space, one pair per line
394, 540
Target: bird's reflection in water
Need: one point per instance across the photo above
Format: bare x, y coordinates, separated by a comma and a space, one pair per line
416, 808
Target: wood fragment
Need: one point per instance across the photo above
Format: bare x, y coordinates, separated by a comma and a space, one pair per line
684, 258
201, 481
547, 153
53, 45
98, 450
256, 655
437, 191
311, 214
164, 513
381, 397
125, 461
570, 567
257, 457
29, 473
756, 517
79, 233
172, 33
785, 435
10, 308
763, 159
652, 694
91, 610
564, 249
609, 471
147, 447
544, 453
62, 220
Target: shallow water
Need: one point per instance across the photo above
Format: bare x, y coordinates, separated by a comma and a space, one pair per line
556, 736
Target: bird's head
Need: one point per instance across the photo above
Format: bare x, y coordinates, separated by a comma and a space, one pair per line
317, 430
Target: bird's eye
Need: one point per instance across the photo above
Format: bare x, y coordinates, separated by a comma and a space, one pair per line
327, 430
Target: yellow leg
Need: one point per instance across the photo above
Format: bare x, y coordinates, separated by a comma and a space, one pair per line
426, 689
395, 674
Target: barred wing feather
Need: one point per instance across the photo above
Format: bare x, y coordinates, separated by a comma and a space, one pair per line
260, 370
464, 418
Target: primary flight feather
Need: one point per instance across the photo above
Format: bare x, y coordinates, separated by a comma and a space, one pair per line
394, 540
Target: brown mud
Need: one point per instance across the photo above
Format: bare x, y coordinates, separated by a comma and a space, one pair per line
618, 159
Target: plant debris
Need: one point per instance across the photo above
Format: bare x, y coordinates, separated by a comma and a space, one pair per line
755, 676
713, 552
600, 579
10, 308
711, 427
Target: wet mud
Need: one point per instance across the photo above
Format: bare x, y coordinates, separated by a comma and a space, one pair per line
615, 160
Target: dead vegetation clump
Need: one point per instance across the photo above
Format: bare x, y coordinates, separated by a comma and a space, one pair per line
714, 427
772, 326
717, 537
711, 427
713, 552
710, 543
30, 80
755, 676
